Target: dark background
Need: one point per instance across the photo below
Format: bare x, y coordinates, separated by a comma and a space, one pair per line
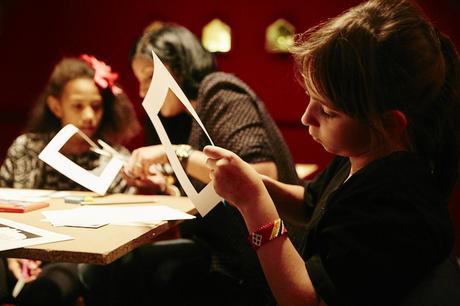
35, 34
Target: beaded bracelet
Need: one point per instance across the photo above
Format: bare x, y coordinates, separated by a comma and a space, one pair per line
266, 233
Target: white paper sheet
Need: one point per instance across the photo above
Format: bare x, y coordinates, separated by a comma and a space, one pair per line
32, 195
74, 218
162, 81
51, 155
15, 235
94, 216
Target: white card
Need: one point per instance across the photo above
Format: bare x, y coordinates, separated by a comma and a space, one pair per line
51, 155
162, 81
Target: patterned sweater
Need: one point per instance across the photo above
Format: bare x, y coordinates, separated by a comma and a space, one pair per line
23, 169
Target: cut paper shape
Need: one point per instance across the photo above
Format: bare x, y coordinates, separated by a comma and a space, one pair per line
162, 81
51, 155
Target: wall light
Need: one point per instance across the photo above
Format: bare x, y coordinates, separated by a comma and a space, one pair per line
217, 36
279, 36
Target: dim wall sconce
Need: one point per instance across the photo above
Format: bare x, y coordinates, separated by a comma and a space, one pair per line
279, 36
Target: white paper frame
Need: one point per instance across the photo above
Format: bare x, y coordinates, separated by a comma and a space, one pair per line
162, 81
51, 155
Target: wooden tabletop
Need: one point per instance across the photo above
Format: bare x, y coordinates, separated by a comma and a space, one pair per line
94, 245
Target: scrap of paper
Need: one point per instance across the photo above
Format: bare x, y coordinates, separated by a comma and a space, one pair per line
51, 155
15, 235
73, 217
32, 195
95, 216
162, 81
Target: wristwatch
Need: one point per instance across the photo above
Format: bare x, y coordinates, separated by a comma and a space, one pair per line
183, 152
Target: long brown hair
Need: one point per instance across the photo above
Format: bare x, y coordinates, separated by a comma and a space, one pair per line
384, 55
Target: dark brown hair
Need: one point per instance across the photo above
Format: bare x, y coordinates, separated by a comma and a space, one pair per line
181, 50
119, 122
384, 55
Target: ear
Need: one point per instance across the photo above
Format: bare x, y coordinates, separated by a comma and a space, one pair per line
395, 120
55, 106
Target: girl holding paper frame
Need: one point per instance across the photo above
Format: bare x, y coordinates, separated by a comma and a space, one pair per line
216, 254
81, 91
384, 96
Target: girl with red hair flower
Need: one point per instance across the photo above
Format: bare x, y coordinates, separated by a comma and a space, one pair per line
81, 91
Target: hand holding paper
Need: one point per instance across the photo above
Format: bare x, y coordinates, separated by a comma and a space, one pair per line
143, 161
154, 183
225, 166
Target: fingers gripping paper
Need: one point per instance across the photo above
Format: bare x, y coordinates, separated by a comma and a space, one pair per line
51, 155
161, 82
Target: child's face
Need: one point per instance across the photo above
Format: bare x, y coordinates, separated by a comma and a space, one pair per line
337, 132
81, 105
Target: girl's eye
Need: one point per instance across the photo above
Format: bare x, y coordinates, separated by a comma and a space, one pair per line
326, 113
78, 106
97, 106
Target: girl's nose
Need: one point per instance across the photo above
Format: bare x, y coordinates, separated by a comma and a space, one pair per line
308, 117
143, 88
88, 114
142, 92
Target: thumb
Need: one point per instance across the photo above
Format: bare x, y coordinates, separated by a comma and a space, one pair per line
215, 152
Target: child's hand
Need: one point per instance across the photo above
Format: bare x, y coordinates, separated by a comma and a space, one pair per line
25, 269
33, 267
233, 179
142, 160
155, 183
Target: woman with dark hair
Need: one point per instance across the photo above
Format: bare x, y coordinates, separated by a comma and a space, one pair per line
213, 252
384, 96
221, 102
178, 126
80, 91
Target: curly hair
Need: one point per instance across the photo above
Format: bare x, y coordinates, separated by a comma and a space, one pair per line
119, 122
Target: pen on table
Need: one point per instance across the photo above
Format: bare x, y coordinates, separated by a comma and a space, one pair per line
87, 200
78, 199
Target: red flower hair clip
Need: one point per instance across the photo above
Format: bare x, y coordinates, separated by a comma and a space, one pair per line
103, 76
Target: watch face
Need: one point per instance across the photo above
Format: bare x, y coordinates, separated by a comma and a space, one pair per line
183, 152
160, 90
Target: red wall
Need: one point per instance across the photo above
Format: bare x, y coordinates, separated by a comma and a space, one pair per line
35, 34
